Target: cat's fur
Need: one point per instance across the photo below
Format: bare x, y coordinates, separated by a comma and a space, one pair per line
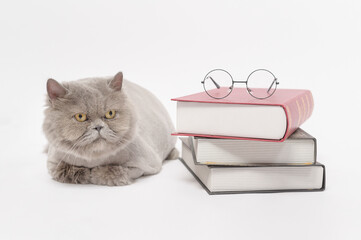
132, 144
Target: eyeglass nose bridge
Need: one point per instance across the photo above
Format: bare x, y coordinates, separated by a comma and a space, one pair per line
240, 81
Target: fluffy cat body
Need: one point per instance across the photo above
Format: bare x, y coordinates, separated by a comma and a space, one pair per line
105, 151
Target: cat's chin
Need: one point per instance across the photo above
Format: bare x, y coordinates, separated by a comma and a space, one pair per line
99, 141
99, 148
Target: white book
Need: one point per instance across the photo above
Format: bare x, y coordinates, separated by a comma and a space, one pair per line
251, 121
299, 148
243, 179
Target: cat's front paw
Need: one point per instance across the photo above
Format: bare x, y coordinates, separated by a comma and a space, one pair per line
66, 173
111, 175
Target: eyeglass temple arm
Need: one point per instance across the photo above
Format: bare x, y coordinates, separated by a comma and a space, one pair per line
274, 81
215, 83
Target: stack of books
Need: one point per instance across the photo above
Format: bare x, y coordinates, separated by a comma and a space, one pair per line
240, 144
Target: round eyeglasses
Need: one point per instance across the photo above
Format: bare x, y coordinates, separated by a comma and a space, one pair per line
260, 83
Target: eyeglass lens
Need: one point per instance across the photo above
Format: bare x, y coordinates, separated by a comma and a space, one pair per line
261, 83
218, 83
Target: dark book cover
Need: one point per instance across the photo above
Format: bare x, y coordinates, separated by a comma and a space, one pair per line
259, 191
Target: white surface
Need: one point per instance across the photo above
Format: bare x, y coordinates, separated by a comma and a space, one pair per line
251, 121
168, 47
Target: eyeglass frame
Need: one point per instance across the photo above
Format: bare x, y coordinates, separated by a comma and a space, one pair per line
233, 82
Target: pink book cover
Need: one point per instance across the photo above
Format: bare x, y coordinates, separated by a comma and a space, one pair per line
297, 104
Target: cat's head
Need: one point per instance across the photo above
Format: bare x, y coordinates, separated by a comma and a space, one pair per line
90, 118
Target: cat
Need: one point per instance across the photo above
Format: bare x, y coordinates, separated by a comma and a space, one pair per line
105, 131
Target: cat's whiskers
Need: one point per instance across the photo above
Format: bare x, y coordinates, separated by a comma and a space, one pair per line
67, 154
56, 145
83, 139
110, 135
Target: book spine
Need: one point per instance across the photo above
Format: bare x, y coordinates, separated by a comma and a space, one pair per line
298, 110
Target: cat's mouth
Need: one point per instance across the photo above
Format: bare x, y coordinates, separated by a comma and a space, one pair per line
96, 139
99, 139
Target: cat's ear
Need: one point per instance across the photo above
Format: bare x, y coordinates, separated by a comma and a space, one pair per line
117, 82
55, 89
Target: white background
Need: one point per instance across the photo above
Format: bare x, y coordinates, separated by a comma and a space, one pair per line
167, 47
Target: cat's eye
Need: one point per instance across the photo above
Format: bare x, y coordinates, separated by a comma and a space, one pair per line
80, 117
110, 114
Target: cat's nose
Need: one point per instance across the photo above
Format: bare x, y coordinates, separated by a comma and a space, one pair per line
98, 128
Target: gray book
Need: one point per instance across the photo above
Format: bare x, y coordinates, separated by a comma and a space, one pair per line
217, 179
299, 148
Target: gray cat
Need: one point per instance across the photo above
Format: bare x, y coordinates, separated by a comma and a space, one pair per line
105, 131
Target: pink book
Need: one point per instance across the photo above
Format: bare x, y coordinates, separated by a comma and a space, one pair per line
240, 116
